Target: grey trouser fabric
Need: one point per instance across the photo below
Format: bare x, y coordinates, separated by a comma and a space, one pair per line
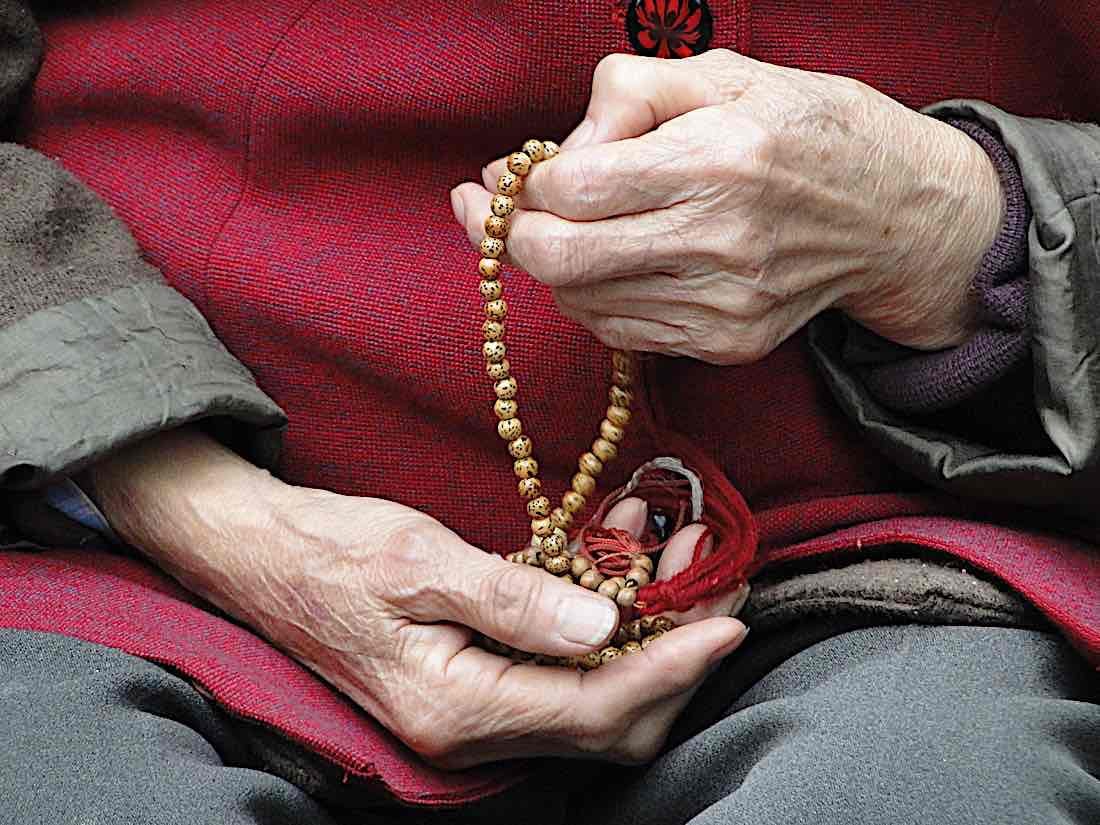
902, 724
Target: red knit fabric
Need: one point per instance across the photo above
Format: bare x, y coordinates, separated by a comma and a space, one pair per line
287, 165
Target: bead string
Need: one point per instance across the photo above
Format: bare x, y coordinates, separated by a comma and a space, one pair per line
550, 547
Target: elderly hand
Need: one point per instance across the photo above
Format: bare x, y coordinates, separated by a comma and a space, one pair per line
383, 602
710, 207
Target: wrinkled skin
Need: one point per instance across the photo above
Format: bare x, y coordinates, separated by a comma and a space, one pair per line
710, 207
382, 601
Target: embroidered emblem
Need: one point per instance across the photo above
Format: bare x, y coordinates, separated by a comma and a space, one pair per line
669, 28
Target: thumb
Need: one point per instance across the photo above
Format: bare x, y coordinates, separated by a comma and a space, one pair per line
632, 95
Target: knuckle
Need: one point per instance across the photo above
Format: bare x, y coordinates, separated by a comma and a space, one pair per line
406, 563
615, 72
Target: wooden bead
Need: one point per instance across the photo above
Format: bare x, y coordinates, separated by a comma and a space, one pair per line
489, 268
634, 629
509, 184
530, 487
663, 624
519, 163
588, 463
521, 447
541, 526
549, 149
561, 519
572, 501
491, 247
590, 661
609, 654
535, 149
494, 351
637, 577
556, 564
626, 597
619, 416
533, 558
610, 432
499, 369
506, 408
580, 566
604, 450
619, 580
647, 624
554, 545
652, 637
511, 557
509, 428
506, 388
622, 379
526, 468
591, 579
496, 227
502, 205
493, 330
584, 484
631, 647
620, 397
608, 588
623, 361
496, 310
538, 507
643, 561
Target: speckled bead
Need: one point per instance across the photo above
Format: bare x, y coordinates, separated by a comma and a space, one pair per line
521, 447
493, 330
561, 518
591, 579
511, 557
651, 638
491, 247
580, 566
526, 468
622, 379
590, 661
609, 432
620, 397
619, 416
556, 564
623, 361
626, 597
643, 561
509, 428
634, 629
519, 163
506, 408
499, 369
541, 526
663, 624
535, 149
608, 588
496, 310
609, 654
572, 502
538, 507
554, 545
502, 205
529, 487
637, 577
631, 647
489, 268
496, 227
604, 450
506, 388
647, 624
584, 484
509, 184
549, 149
494, 351
588, 463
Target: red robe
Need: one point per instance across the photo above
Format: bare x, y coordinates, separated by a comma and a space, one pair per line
287, 166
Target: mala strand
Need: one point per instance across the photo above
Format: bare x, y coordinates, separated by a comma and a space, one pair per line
550, 547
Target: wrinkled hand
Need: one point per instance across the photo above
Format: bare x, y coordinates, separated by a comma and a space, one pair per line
711, 206
383, 601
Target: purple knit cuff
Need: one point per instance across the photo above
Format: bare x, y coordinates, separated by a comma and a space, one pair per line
926, 382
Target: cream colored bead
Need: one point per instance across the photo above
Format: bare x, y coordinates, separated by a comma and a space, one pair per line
622, 379
620, 397
609, 654
541, 526
509, 428
489, 268
608, 588
538, 507
526, 468
637, 577
643, 561
494, 351
572, 501
509, 184
622, 361
591, 579
611, 433
561, 519
584, 484
580, 566
499, 369
533, 557
556, 564
588, 463
565, 577
651, 638
553, 545
619, 416
604, 450
519, 163
663, 624
647, 624
534, 149
549, 149
631, 647
491, 247
529, 487
506, 388
496, 227
626, 597
502, 205
496, 310
511, 557
634, 629
493, 330
506, 408
521, 448
590, 661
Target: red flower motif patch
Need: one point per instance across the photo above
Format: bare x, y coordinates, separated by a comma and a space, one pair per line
669, 28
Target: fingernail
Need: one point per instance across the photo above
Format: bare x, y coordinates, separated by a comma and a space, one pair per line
458, 207
728, 648
587, 621
579, 136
